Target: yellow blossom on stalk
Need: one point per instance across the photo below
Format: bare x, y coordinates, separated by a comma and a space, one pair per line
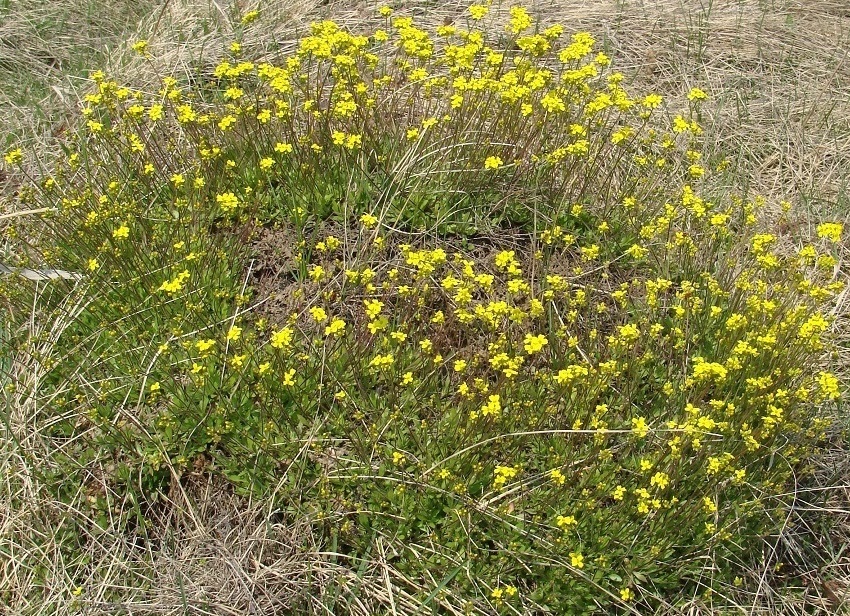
533, 344
697, 94
829, 387
289, 377
249, 17
319, 315
121, 233
336, 328
373, 308
520, 20
558, 477
171, 286
233, 93
368, 220
651, 101
660, 479
492, 407
708, 371
640, 427
282, 339
204, 345
140, 47
234, 333
831, 231
626, 594
571, 373
493, 162
13, 157
503, 474
577, 560
382, 362
478, 11
228, 201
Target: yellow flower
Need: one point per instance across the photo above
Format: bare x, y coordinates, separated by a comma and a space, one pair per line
502, 474
696, 94
493, 162
226, 122
478, 11
282, 339
174, 285
640, 426
382, 362
373, 308
289, 378
228, 201
626, 594
204, 345
577, 560
121, 233
662, 480
533, 344
234, 333
520, 20
319, 315
831, 230
336, 328
368, 220
492, 407
829, 386
249, 17
13, 157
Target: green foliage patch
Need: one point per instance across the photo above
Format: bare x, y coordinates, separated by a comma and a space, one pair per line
525, 353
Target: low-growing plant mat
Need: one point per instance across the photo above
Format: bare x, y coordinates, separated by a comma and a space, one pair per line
395, 320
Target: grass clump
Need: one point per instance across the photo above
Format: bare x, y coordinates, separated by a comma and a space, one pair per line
519, 350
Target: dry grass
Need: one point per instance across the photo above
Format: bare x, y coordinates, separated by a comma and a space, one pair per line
779, 73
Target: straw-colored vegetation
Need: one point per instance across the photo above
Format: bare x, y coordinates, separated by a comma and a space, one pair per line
451, 309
